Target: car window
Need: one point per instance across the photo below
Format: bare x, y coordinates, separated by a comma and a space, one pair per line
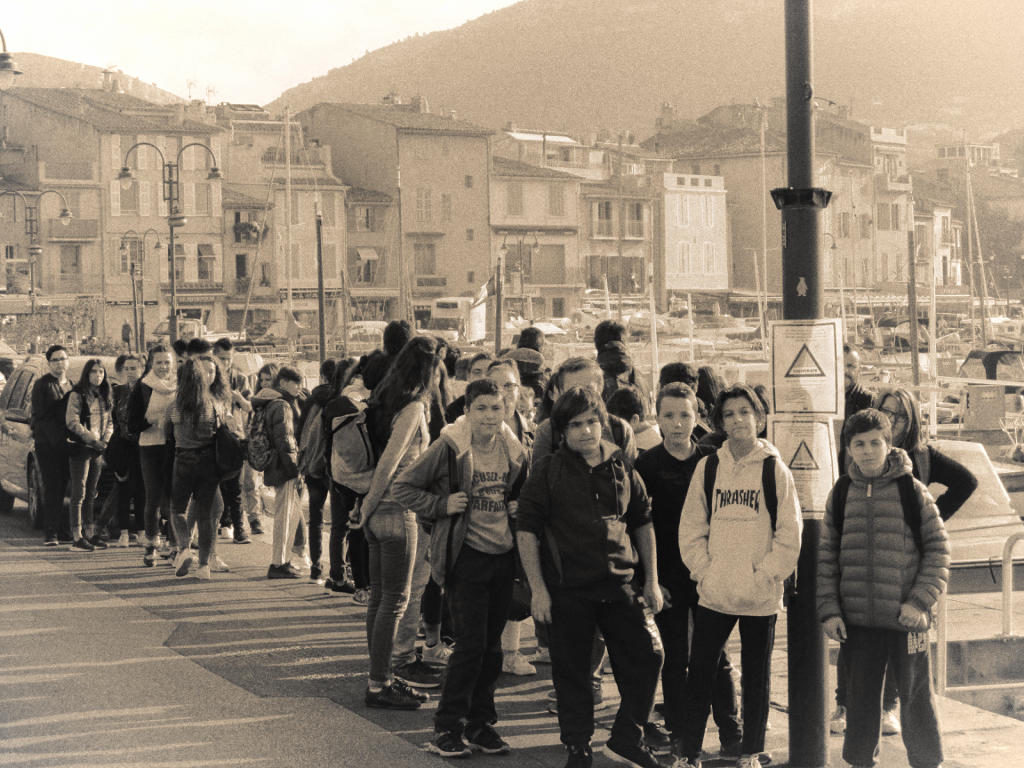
5, 395
21, 391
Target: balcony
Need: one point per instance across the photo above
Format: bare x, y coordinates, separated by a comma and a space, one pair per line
603, 228
635, 230
896, 184
76, 230
193, 286
276, 156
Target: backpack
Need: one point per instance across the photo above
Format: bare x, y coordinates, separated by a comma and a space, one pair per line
353, 454
313, 443
259, 450
910, 502
771, 502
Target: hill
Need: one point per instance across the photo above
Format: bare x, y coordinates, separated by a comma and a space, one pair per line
40, 71
580, 64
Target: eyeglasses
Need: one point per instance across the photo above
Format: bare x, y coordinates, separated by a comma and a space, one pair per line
893, 416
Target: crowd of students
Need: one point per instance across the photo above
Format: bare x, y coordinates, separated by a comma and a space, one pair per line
636, 530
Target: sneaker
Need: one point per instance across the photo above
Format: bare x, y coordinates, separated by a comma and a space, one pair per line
540, 656
438, 654
418, 675
241, 537
579, 756
890, 723
219, 566
402, 687
141, 539
134, 539
281, 572
837, 724
487, 740
167, 552
255, 528
361, 596
81, 545
183, 562
389, 697
149, 559
748, 761
225, 532
97, 542
657, 738
683, 762
50, 540
638, 754
448, 744
515, 664
731, 748
345, 586
123, 540
203, 573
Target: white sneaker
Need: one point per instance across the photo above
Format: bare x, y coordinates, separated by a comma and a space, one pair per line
219, 566
515, 664
540, 656
748, 761
203, 573
890, 723
837, 724
183, 562
122, 540
226, 532
682, 762
437, 654
142, 539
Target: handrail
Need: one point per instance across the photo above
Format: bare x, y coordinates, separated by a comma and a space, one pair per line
1008, 582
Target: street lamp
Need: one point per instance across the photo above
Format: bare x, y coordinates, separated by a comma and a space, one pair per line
136, 272
518, 265
175, 218
8, 69
35, 250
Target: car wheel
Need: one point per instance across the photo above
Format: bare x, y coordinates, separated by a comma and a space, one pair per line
6, 502
35, 497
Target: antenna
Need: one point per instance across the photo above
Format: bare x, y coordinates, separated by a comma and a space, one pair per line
190, 84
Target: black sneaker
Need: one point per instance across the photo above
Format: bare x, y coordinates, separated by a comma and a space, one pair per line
638, 754
418, 675
281, 572
657, 738
390, 698
97, 542
732, 748
241, 537
580, 756
403, 687
149, 559
345, 586
448, 744
81, 545
487, 740
50, 540
255, 528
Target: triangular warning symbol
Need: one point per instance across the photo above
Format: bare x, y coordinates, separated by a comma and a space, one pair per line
805, 366
802, 458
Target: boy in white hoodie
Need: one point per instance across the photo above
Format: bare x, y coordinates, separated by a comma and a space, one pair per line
740, 551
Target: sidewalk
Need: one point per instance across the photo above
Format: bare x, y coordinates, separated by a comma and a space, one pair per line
106, 663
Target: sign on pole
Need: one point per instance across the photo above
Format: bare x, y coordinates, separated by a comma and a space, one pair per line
807, 361
808, 447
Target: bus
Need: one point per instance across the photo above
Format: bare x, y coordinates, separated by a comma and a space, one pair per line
458, 318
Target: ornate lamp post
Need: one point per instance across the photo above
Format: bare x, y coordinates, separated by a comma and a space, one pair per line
516, 266
8, 69
35, 250
136, 272
175, 218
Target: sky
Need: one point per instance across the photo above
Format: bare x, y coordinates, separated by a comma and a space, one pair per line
246, 52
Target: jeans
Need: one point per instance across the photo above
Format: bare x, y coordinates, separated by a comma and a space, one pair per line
318, 488
405, 638
870, 651
342, 501
54, 471
890, 692
84, 474
634, 647
152, 459
195, 474
673, 624
231, 495
711, 630
287, 517
194, 521
391, 534
479, 593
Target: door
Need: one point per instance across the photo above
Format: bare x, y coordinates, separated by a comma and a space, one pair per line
15, 432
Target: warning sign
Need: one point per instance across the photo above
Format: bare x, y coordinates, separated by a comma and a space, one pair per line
807, 358
808, 447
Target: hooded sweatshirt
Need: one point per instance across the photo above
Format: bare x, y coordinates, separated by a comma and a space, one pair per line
738, 563
153, 396
876, 566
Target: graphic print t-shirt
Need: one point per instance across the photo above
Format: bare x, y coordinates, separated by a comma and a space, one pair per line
488, 529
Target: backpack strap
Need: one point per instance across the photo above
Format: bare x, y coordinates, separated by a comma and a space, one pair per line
911, 504
839, 494
710, 474
771, 498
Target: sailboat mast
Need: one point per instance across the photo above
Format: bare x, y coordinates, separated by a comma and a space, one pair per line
288, 260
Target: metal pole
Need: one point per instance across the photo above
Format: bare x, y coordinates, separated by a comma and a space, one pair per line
915, 363
135, 305
320, 283
801, 204
497, 306
622, 227
172, 326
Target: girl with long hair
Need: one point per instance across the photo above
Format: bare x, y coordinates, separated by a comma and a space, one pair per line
90, 425
147, 407
202, 402
398, 411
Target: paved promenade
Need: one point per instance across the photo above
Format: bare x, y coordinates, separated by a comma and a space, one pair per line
106, 663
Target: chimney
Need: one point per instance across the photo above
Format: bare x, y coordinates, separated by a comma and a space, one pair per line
419, 104
107, 78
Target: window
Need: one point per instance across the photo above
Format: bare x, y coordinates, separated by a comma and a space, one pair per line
207, 262
130, 197
865, 226
71, 259
327, 203
424, 215
264, 274
366, 265
514, 198
295, 207
179, 262
844, 224
424, 258
556, 200
469, 182
707, 206
558, 307
446, 207
896, 216
635, 220
203, 206
364, 218
469, 235
130, 254
716, 171
471, 277
683, 211
883, 216
548, 266
241, 265
709, 258
603, 219
695, 169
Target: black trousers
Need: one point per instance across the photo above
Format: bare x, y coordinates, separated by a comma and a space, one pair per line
318, 489
871, 651
54, 473
231, 493
479, 590
890, 694
345, 544
711, 631
634, 647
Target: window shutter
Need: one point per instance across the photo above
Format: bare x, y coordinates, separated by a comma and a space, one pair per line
115, 198
115, 152
215, 199
144, 195
190, 198
188, 158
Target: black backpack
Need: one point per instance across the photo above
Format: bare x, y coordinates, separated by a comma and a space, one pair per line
909, 501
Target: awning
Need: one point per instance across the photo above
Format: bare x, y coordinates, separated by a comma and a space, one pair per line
367, 254
205, 249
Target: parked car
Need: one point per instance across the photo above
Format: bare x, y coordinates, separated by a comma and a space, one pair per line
19, 469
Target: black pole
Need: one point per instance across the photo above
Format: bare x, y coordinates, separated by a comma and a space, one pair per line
801, 204
320, 284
